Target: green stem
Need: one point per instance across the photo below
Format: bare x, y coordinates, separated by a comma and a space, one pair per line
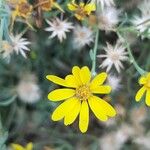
133, 61
94, 53
1, 25
0, 124
137, 67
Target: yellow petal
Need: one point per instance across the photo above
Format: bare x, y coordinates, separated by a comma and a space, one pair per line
29, 146
56, 80
61, 94
72, 113
79, 17
98, 80
148, 98
90, 7
104, 89
71, 81
58, 6
101, 108
85, 75
17, 147
148, 75
81, 4
62, 109
142, 80
140, 93
28, 23
14, 15
98, 112
84, 117
72, 6
76, 73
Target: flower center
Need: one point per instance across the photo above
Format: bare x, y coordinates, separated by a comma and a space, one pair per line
114, 56
58, 25
103, 21
81, 12
6, 46
83, 92
46, 5
81, 35
24, 8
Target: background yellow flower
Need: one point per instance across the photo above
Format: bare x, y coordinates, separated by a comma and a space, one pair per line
81, 10
145, 81
29, 146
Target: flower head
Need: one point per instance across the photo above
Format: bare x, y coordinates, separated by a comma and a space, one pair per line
114, 56
116, 139
82, 10
28, 90
7, 50
47, 5
141, 22
19, 44
108, 18
79, 96
23, 9
59, 28
145, 89
29, 146
114, 82
82, 36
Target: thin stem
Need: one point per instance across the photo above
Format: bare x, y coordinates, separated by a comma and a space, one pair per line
0, 124
144, 22
133, 61
131, 28
41, 3
1, 25
94, 53
137, 67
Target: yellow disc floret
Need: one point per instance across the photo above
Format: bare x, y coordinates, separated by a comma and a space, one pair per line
24, 9
83, 92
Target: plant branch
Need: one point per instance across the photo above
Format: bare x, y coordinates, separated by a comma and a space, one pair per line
131, 57
94, 53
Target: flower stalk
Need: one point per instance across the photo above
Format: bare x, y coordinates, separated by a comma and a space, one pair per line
133, 61
94, 53
1, 25
131, 57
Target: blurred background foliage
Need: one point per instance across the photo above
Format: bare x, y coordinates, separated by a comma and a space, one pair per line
23, 123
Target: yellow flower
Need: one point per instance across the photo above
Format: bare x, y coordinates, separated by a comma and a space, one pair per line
29, 146
22, 9
145, 89
81, 10
47, 5
79, 96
